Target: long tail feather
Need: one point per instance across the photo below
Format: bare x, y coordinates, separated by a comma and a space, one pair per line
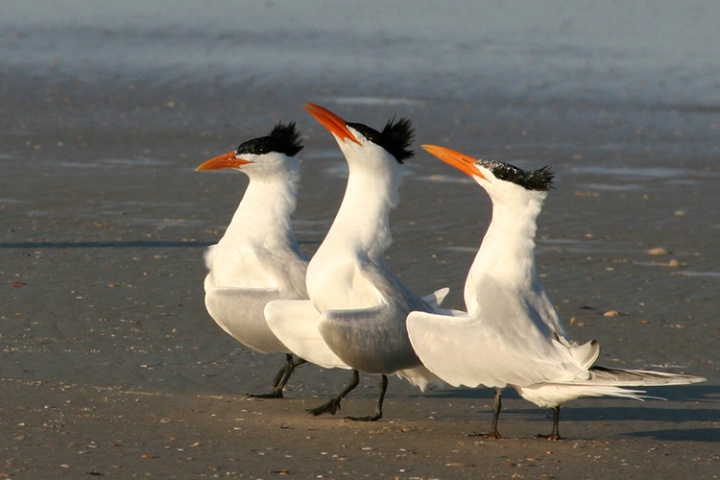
610, 382
636, 378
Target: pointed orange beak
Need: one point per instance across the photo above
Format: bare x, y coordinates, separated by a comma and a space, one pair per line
226, 160
332, 122
462, 162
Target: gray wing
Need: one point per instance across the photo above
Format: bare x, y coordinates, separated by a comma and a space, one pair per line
240, 312
295, 322
375, 339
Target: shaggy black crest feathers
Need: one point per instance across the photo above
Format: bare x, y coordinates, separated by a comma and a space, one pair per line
283, 139
540, 179
395, 137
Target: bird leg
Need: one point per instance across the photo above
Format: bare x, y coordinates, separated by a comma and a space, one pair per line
555, 434
378, 409
497, 406
281, 378
333, 405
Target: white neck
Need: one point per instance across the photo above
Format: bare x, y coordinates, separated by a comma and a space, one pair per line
507, 252
359, 234
362, 222
265, 209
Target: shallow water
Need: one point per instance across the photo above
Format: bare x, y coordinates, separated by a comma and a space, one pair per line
643, 52
639, 55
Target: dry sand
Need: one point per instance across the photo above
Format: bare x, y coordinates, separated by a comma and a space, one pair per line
111, 367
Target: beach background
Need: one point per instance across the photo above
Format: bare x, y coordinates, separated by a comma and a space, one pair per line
109, 363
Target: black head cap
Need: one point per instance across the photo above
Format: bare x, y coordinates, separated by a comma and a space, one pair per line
396, 137
540, 179
283, 139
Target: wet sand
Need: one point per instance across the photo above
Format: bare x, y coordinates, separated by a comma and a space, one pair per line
110, 365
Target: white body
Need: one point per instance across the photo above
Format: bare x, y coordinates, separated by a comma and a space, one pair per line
359, 305
258, 259
511, 333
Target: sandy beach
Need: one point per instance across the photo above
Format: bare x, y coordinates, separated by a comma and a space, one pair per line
109, 363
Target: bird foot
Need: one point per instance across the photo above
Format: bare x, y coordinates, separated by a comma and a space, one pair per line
330, 407
495, 435
369, 418
273, 394
552, 437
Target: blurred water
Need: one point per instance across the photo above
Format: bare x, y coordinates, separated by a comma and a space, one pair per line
612, 83
642, 52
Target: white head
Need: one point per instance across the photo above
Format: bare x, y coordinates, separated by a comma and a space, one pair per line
506, 184
369, 152
507, 252
270, 155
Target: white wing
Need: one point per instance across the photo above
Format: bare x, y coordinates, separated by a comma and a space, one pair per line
243, 277
240, 312
255, 266
295, 323
504, 343
541, 303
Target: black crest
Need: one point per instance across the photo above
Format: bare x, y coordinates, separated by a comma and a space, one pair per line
396, 137
540, 179
283, 139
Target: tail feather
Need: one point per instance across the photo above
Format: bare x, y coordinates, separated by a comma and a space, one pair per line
553, 394
436, 298
421, 377
586, 353
610, 382
611, 391
636, 378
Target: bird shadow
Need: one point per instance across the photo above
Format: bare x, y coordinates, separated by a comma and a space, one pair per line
105, 244
114, 244
707, 435
641, 414
701, 396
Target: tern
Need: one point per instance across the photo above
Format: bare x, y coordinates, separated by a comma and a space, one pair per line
512, 334
355, 317
258, 259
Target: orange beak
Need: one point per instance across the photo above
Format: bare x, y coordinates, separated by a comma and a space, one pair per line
462, 162
226, 160
332, 122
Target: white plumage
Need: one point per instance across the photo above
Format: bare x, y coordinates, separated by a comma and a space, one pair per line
359, 305
511, 333
258, 259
